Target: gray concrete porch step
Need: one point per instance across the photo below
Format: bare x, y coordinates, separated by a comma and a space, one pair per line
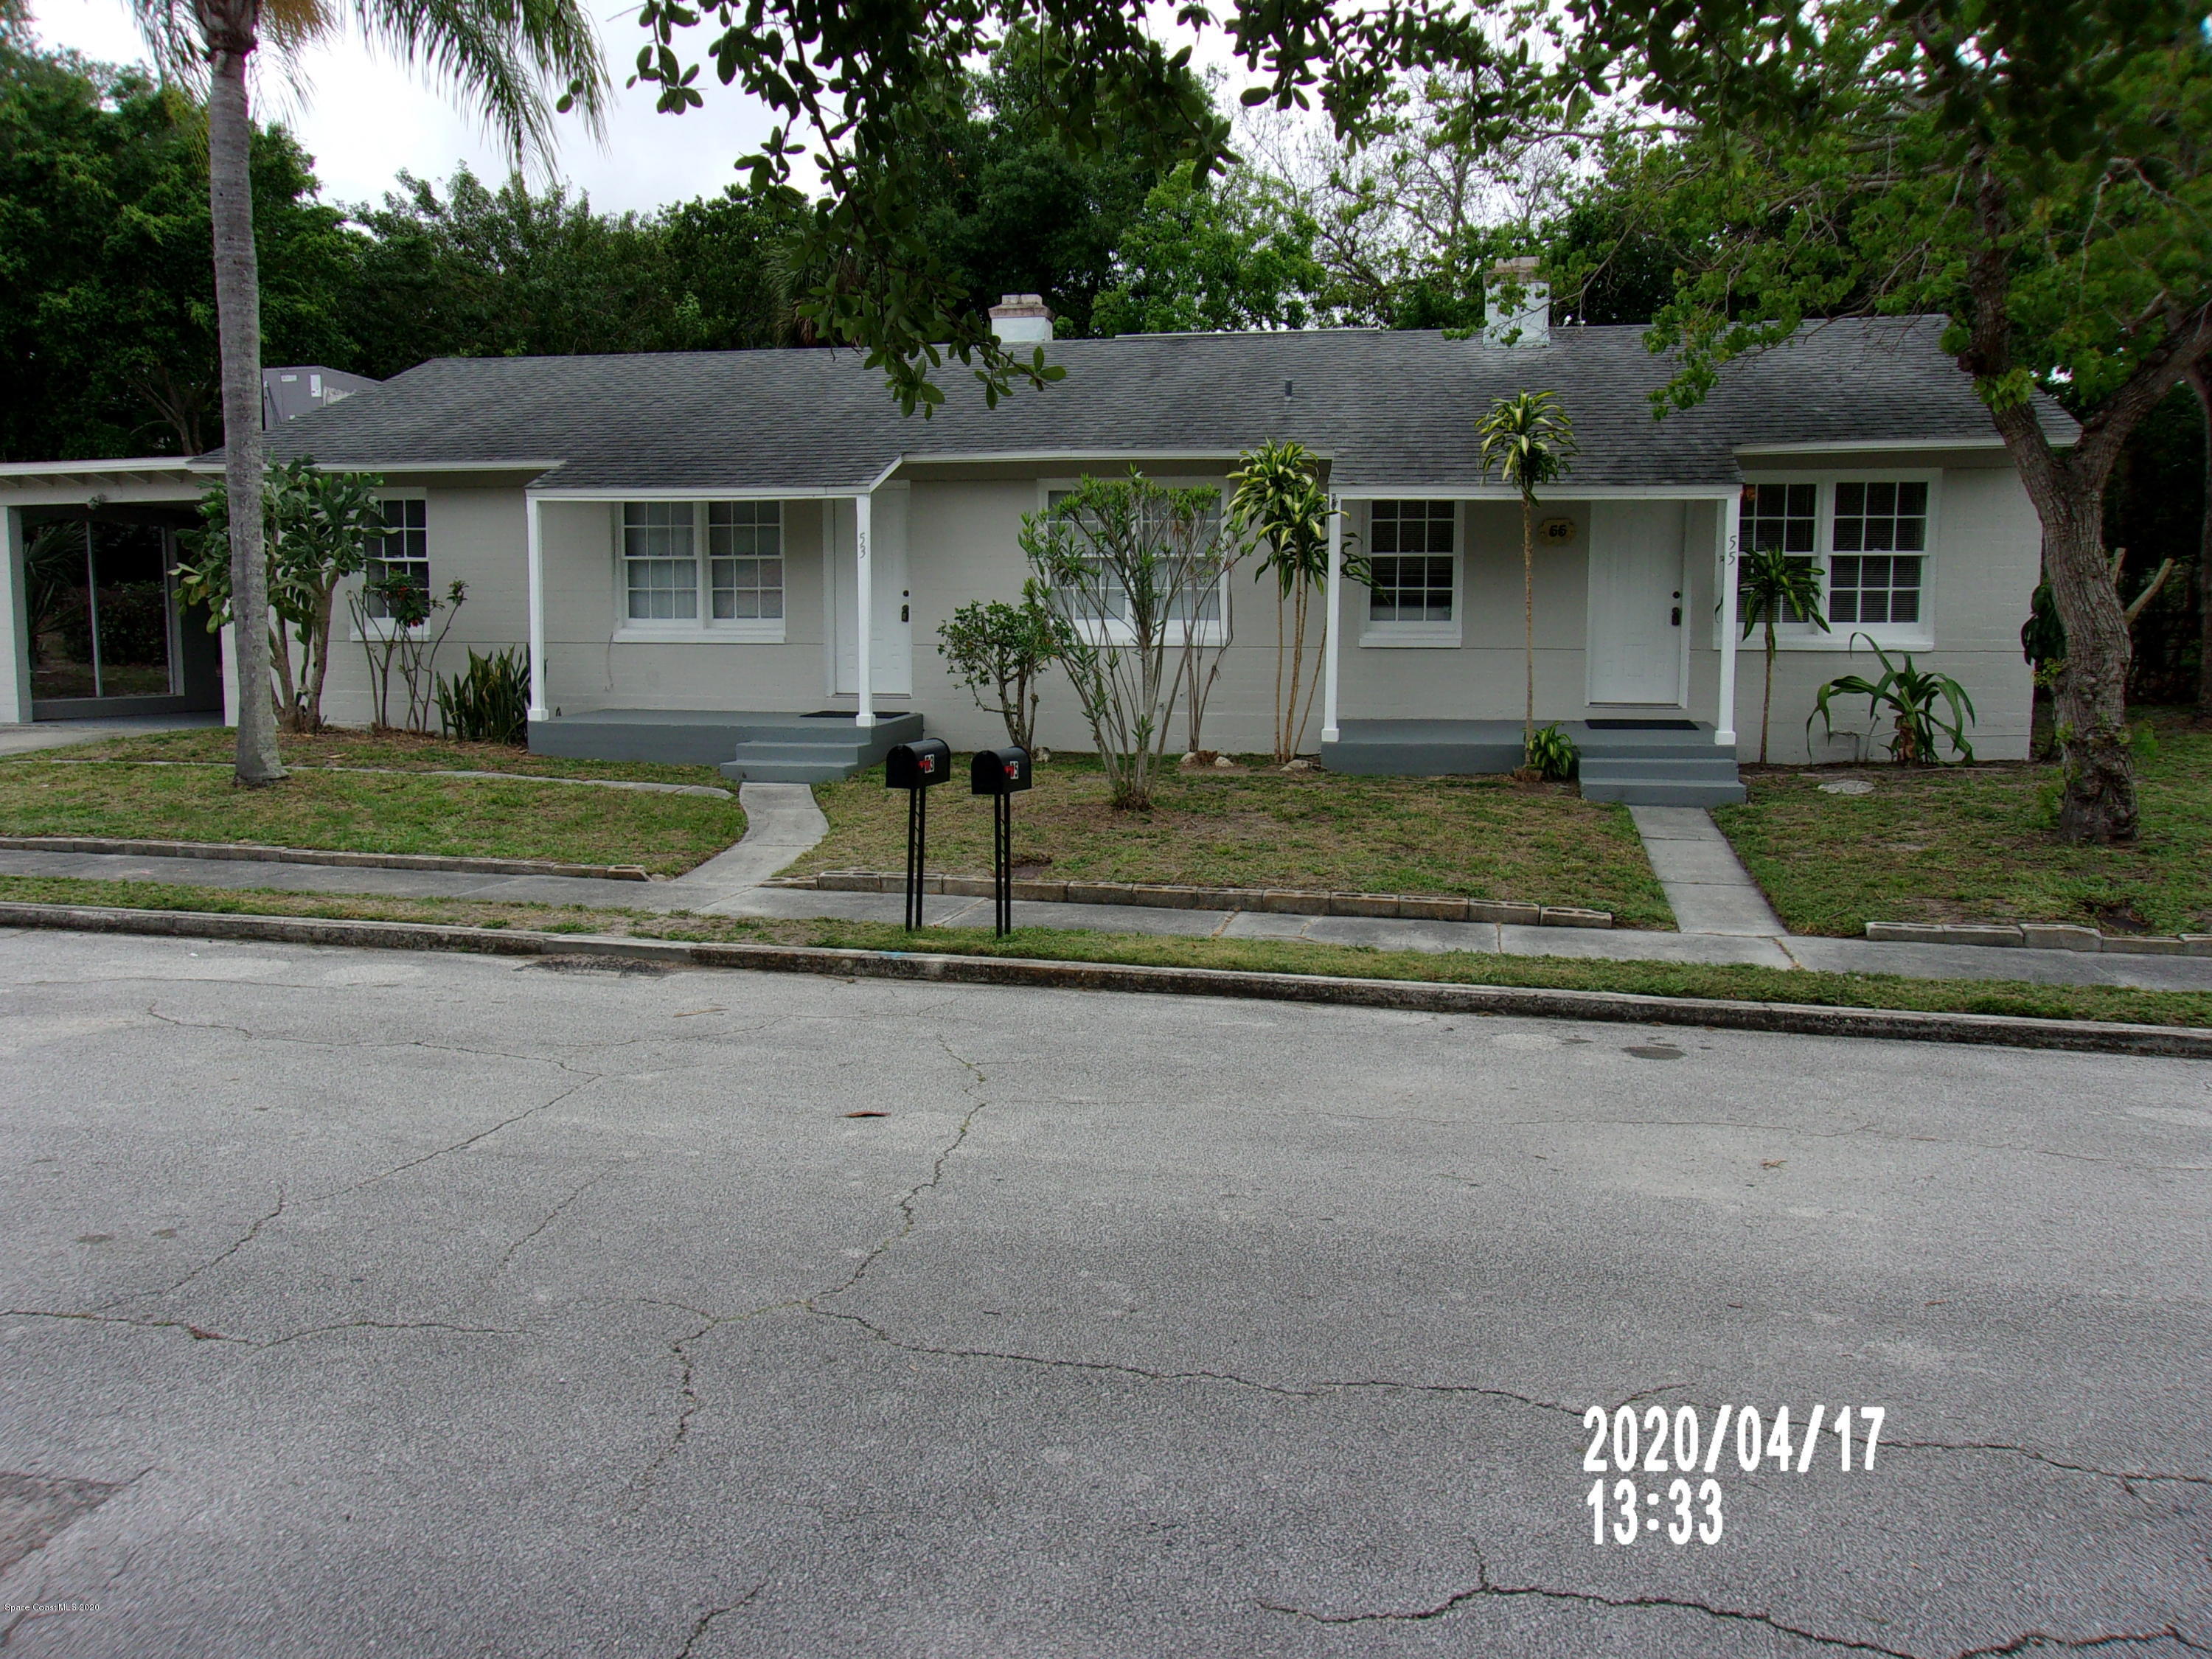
814, 748
712, 737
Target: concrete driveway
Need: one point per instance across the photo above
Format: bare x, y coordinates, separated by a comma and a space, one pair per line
378, 1303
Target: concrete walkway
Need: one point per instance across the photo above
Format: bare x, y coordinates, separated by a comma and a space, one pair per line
1723, 916
1709, 889
697, 892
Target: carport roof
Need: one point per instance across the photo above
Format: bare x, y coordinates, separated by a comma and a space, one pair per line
1391, 408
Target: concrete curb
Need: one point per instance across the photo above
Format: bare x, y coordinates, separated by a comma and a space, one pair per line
221, 850
2090, 1037
1278, 901
2038, 936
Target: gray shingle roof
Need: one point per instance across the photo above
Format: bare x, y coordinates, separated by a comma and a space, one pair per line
1394, 409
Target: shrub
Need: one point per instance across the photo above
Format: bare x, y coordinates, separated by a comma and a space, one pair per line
1550, 754
489, 703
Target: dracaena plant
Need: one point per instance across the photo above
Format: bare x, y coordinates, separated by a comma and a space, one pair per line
1924, 709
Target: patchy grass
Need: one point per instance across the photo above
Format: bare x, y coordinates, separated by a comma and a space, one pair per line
398, 750
1733, 983
1973, 843
348, 811
1257, 827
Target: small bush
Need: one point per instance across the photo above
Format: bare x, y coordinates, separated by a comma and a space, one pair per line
489, 703
1552, 754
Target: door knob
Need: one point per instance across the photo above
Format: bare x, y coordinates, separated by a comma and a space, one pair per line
905, 609
1677, 619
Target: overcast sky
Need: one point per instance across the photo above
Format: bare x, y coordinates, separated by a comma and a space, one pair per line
364, 119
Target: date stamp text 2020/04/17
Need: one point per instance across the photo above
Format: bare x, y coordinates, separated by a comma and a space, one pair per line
1625, 1444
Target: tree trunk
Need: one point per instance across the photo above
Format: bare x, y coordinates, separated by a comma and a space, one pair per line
1528, 620
1766, 701
2200, 378
227, 26
2099, 804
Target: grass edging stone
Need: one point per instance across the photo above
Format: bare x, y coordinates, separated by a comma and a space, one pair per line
1162, 896
2038, 936
2192, 1042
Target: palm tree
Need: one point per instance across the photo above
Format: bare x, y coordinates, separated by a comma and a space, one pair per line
1526, 439
1773, 586
1280, 501
500, 55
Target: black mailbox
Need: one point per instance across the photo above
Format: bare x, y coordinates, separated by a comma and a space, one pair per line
999, 772
919, 764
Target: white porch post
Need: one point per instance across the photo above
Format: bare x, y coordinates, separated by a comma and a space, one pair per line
864, 619
14, 623
533, 509
1731, 534
1333, 625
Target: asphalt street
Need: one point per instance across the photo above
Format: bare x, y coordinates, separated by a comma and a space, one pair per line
370, 1303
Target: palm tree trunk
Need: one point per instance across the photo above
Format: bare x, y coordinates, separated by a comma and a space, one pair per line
1282, 718
228, 31
1766, 701
1529, 619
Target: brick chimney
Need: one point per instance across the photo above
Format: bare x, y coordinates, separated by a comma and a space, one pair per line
1020, 318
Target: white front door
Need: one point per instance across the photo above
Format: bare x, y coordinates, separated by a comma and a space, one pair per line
890, 645
1636, 603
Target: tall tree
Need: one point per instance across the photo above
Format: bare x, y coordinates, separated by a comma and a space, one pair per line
107, 341
498, 54
2035, 171
1233, 254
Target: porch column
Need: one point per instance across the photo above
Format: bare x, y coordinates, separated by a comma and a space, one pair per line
1731, 534
533, 510
14, 623
1331, 624
864, 620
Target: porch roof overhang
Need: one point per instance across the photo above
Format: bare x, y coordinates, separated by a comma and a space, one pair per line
131, 469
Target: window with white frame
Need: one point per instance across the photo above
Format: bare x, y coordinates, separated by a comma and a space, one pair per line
744, 555
1208, 603
1412, 561
403, 552
1869, 540
1881, 540
702, 566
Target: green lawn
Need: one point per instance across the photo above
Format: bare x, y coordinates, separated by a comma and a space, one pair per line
399, 751
1972, 843
1257, 827
2191, 1008
47, 794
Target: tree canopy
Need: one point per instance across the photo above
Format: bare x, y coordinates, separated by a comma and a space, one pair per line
106, 295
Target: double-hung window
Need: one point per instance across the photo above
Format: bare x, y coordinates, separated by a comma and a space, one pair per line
403, 552
1869, 539
703, 569
1412, 558
1103, 609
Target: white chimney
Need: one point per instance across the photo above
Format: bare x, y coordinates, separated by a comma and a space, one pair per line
1020, 319
1523, 316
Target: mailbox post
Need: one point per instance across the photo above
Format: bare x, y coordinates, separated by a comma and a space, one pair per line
1001, 774
917, 768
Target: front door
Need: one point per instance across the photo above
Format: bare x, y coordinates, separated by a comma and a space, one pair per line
1636, 603
890, 632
